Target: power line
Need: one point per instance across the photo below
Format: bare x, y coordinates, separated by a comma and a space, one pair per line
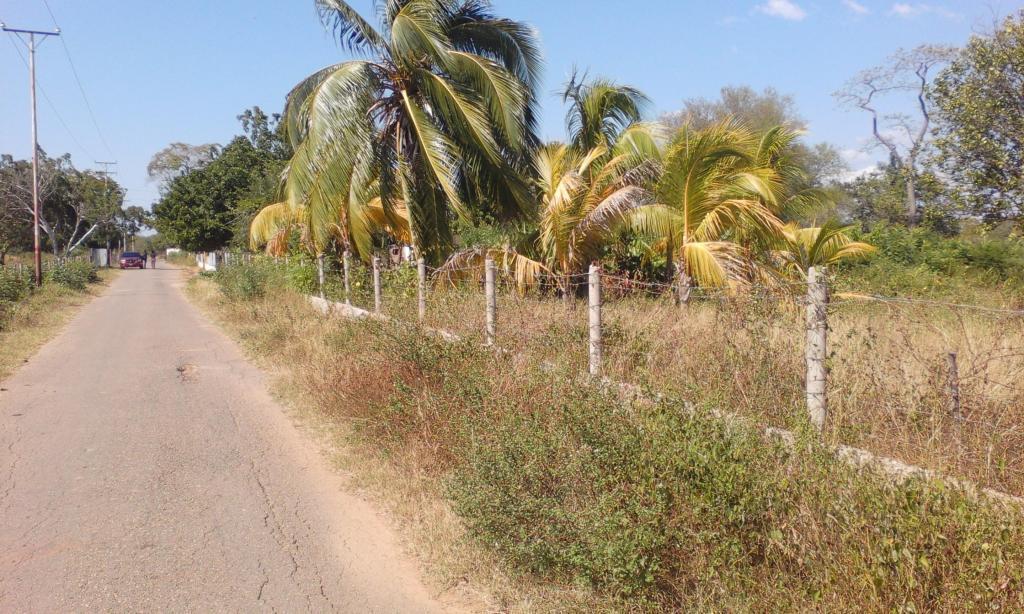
53, 107
81, 88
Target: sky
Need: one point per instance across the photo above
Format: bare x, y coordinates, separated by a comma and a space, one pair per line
157, 72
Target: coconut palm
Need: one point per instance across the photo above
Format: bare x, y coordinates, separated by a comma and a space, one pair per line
799, 249
585, 189
439, 115
599, 111
711, 188
272, 227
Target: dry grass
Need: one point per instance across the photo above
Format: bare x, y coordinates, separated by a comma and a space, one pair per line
287, 338
888, 375
644, 508
39, 318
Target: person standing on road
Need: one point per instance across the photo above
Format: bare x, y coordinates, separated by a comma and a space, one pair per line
144, 259
152, 257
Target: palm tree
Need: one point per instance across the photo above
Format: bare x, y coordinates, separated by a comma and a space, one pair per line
600, 110
585, 190
439, 115
799, 249
711, 189
273, 226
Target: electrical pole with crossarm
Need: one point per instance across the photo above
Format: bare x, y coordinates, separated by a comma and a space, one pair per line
29, 38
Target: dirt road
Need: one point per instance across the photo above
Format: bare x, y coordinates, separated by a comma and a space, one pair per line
143, 466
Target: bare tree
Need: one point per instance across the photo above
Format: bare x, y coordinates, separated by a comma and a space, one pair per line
179, 159
73, 204
904, 136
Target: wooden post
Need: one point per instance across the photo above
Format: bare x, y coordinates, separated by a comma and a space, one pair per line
421, 268
594, 311
377, 300
346, 259
490, 277
320, 273
684, 287
953, 387
816, 349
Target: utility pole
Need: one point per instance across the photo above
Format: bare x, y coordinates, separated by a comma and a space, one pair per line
106, 188
30, 42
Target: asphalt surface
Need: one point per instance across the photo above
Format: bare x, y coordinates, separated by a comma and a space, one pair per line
144, 467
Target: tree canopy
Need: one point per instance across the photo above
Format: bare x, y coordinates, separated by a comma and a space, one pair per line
980, 136
198, 209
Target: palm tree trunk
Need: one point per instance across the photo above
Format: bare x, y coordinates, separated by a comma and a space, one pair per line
567, 290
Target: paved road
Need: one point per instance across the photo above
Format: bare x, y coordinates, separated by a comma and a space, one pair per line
144, 467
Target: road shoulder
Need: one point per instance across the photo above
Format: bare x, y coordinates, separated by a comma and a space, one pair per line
42, 318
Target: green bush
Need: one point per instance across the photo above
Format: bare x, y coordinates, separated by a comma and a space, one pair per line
14, 287
922, 262
73, 274
243, 281
301, 275
659, 507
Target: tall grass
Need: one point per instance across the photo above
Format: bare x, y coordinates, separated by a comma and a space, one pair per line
644, 505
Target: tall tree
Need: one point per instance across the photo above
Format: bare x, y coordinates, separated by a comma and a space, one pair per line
74, 204
198, 209
441, 117
979, 101
905, 138
179, 159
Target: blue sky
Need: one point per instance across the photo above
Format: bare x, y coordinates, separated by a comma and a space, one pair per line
157, 72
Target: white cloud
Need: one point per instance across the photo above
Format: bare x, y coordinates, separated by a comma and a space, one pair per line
855, 157
905, 9
786, 9
856, 174
856, 7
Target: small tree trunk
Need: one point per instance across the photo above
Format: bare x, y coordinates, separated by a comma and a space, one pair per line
912, 213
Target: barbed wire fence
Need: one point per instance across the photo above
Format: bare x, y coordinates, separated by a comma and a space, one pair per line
938, 384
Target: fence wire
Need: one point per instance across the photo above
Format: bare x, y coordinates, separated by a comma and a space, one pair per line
742, 349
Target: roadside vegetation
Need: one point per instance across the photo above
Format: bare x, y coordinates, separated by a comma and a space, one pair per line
705, 223
29, 317
588, 499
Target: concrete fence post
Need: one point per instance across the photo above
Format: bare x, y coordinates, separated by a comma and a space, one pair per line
594, 312
816, 348
490, 289
377, 299
953, 387
346, 260
421, 269
320, 273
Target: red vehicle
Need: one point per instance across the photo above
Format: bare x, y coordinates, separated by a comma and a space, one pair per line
132, 260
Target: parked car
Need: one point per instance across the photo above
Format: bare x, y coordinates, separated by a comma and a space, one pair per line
132, 260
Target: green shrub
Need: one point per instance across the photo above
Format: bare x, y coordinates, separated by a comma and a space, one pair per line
73, 274
302, 275
14, 287
663, 508
243, 281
